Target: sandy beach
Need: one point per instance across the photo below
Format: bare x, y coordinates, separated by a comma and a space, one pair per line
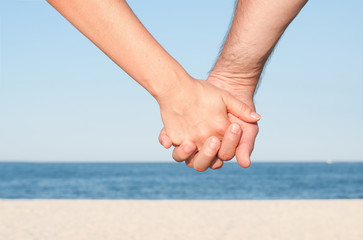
147, 219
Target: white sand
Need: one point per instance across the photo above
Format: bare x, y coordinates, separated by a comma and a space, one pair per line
202, 220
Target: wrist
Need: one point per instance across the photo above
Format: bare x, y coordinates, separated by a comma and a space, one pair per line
239, 84
162, 84
173, 87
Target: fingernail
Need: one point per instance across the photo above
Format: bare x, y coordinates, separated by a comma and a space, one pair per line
162, 141
214, 143
235, 129
255, 115
188, 149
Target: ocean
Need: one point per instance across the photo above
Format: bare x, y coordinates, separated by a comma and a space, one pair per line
273, 180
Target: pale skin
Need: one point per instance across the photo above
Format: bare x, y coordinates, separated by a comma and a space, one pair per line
192, 110
257, 26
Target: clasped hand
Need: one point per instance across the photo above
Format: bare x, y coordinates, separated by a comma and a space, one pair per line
197, 120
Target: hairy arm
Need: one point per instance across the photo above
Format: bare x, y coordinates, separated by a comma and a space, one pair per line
257, 26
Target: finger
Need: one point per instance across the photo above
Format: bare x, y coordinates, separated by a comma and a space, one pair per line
216, 164
207, 154
184, 151
189, 162
164, 139
246, 146
240, 109
230, 142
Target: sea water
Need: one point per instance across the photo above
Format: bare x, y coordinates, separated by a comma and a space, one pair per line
273, 180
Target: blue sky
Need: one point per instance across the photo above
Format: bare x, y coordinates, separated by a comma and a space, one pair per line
62, 99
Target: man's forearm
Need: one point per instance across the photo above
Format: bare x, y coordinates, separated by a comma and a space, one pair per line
112, 26
257, 26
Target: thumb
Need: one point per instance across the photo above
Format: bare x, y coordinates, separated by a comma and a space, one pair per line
164, 139
240, 109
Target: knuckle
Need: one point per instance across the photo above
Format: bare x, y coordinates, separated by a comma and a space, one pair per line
209, 153
189, 163
221, 128
202, 136
225, 156
161, 141
257, 129
217, 165
243, 107
177, 156
211, 149
200, 168
176, 140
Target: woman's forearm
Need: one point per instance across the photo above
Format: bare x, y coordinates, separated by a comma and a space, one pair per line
113, 27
